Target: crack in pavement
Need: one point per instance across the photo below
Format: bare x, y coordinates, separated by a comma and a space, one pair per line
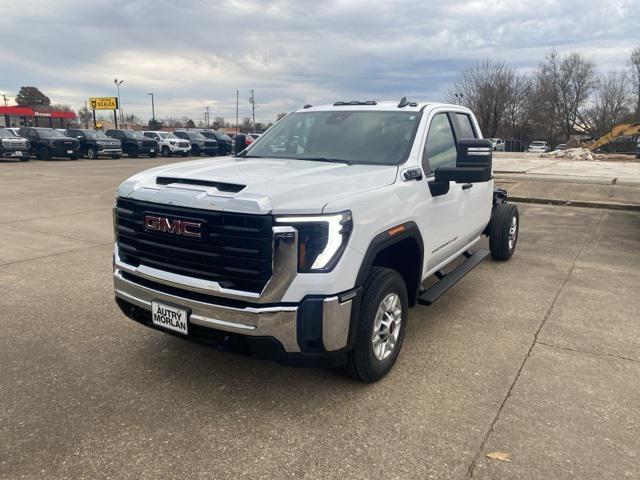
55, 254
470, 470
597, 354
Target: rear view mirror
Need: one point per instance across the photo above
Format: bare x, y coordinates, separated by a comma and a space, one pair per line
473, 165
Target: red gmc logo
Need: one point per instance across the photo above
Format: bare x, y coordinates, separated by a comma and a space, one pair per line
174, 226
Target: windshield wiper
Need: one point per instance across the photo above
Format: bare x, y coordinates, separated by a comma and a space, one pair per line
325, 159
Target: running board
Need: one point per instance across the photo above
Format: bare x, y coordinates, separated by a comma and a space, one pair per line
446, 281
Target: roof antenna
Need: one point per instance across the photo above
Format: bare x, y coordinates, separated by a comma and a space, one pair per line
403, 103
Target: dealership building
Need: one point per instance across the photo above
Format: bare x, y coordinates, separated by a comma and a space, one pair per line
29, 117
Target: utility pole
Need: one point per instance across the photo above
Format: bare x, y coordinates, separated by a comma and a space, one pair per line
206, 116
118, 83
153, 108
86, 121
253, 109
4, 97
237, 100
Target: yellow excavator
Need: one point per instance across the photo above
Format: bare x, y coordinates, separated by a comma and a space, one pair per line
622, 130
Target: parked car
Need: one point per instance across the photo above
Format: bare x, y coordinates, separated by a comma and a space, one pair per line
199, 143
135, 143
497, 144
225, 144
315, 258
561, 146
538, 146
638, 149
47, 143
255, 136
14, 147
169, 143
94, 143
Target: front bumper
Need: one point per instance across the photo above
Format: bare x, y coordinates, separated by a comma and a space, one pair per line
110, 151
14, 153
316, 330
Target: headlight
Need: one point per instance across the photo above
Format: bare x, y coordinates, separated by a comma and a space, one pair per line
321, 239
172, 142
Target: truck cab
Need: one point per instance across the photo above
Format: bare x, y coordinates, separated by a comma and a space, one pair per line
311, 245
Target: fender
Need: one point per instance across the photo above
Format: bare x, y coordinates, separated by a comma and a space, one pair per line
386, 239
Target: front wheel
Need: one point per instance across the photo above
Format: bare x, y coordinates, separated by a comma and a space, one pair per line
92, 153
132, 152
166, 151
44, 153
381, 326
505, 225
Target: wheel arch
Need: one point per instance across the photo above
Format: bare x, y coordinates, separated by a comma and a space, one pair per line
400, 248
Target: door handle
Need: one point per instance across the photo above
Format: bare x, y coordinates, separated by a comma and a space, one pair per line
467, 186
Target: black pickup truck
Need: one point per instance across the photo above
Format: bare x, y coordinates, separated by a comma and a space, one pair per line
225, 144
94, 143
135, 143
199, 143
47, 143
14, 147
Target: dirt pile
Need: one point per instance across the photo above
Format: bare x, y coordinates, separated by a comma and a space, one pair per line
573, 154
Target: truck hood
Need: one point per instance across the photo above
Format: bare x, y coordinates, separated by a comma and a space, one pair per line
264, 185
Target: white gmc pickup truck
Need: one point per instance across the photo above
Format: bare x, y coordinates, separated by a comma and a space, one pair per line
310, 246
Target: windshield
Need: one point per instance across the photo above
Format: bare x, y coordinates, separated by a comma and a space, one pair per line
95, 135
538, 144
50, 133
132, 134
4, 133
373, 137
195, 136
168, 135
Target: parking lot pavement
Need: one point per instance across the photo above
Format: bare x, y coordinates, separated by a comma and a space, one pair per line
535, 359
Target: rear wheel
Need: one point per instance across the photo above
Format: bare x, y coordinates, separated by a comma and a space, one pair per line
381, 326
505, 224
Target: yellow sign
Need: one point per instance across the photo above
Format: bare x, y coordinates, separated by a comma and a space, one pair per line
103, 103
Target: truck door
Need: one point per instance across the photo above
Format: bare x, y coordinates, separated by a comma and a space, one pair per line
476, 198
442, 220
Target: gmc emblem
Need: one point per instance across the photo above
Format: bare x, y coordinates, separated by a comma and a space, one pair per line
174, 226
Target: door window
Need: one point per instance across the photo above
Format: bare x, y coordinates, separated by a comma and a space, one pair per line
465, 126
440, 149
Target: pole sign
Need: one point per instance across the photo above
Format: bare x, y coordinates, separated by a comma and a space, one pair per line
103, 103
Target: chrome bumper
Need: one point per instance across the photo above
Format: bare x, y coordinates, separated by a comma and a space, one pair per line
279, 322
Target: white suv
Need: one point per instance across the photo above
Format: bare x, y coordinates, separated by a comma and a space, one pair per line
312, 244
539, 146
170, 144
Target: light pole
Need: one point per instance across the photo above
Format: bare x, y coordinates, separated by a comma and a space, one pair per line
153, 108
118, 83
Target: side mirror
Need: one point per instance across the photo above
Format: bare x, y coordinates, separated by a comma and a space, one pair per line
473, 165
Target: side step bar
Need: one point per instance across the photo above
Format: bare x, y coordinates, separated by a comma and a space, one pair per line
446, 281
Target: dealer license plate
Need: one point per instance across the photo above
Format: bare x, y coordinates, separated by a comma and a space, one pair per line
170, 317
69, 152
17, 154
152, 150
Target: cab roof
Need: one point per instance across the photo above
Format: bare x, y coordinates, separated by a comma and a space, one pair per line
379, 105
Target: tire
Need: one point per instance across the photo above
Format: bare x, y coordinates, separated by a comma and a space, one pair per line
195, 151
166, 151
185, 154
74, 156
503, 236
365, 361
116, 157
92, 153
44, 153
132, 152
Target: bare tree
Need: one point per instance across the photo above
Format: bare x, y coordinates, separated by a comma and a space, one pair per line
609, 105
487, 88
635, 77
566, 82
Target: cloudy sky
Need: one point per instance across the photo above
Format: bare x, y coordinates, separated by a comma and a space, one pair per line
193, 54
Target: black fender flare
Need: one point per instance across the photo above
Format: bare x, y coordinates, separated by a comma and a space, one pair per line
386, 239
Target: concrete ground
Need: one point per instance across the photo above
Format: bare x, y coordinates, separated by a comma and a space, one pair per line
524, 370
